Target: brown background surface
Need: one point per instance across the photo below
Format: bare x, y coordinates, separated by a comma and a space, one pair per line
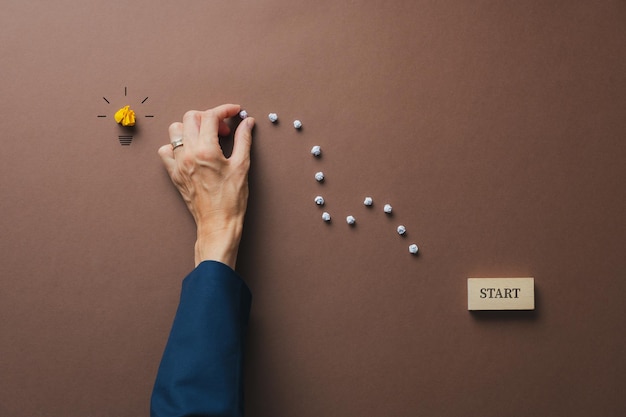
495, 128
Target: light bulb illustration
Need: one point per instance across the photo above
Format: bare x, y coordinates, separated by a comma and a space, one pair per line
126, 117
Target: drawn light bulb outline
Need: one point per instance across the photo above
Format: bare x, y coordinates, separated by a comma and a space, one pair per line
126, 138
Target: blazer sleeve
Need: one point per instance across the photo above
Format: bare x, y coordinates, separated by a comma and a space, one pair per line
201, 370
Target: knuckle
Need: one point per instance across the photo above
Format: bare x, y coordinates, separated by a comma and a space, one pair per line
208, 154
208, 114
190, 114
187, 162
190, 160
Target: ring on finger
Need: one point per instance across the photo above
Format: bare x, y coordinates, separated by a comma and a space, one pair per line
177, 143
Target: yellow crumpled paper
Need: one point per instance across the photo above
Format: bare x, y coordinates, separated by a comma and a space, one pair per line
125, 116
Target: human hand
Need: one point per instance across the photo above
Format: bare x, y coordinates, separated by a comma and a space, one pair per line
215, 188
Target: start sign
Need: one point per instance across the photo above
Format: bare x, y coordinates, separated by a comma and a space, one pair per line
500, 293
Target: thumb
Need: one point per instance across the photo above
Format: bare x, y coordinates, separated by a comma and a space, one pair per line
243, 140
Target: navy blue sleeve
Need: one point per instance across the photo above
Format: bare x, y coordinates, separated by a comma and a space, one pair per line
200, 374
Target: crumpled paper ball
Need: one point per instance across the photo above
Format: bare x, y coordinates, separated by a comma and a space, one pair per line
125, 116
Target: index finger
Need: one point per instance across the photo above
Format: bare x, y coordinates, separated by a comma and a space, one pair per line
211, 120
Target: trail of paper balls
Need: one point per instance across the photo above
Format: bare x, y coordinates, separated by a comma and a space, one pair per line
316, 151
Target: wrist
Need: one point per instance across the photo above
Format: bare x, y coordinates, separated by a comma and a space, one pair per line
218, 244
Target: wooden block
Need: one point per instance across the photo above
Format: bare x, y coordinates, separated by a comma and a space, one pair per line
500, 293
